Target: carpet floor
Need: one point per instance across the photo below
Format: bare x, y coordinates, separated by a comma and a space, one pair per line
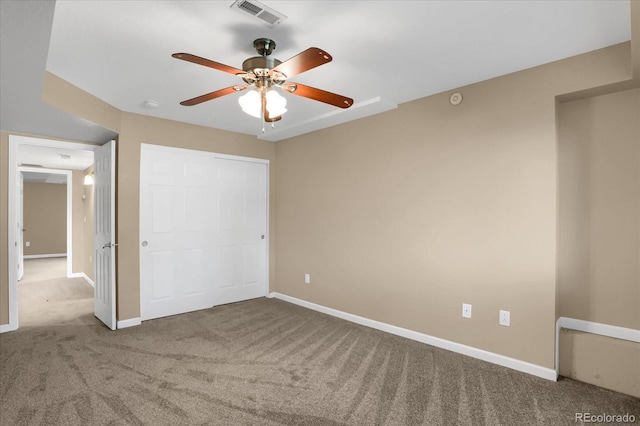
42, 269
268, 362
46, 297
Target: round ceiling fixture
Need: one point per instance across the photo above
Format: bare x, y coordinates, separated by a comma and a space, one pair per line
455, 98
151, 104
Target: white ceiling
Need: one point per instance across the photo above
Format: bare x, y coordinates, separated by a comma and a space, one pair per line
384, 52
25, 29
38, 157
45, 177
54, 157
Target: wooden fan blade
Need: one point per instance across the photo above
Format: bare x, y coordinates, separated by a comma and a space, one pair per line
304, 61
213, 95
318, 95
208, 63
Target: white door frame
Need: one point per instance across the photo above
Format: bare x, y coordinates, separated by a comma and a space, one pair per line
20, 220
14, 142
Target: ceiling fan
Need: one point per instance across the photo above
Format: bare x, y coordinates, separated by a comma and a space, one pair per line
261, 74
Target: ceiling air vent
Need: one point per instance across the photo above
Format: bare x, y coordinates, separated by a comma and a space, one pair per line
259, 11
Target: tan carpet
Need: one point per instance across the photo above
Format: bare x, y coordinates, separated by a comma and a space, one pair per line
267, 362
44, 269
46, 297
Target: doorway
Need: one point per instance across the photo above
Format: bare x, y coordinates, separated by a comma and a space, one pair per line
44, 157
48, 293
41, 215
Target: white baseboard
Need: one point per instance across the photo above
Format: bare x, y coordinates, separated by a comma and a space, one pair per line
82, 275
515, 364
132, 322
4, 328
44, 256
606, 330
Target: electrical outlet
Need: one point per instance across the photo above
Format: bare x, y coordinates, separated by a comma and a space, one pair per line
307, 278
505, 318
27, 244
466, 310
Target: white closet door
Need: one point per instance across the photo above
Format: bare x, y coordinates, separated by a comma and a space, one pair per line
175, 267
203, 224
240, 231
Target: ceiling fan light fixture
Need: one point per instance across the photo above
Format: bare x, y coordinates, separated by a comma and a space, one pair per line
251, 103
276, 104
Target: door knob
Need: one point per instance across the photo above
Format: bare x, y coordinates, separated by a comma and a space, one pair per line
144, 244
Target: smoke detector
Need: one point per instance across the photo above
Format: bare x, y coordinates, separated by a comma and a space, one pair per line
259, 11
455, 98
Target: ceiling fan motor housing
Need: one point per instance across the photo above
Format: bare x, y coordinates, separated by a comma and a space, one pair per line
259, 66
258, 63
264, 46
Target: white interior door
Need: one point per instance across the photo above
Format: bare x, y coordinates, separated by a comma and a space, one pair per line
104, 236
203, 224
20, 225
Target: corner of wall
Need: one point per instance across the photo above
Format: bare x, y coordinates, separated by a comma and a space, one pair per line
62, 94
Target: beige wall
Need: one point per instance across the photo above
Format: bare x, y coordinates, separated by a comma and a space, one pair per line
404, 216
45, 218
82, 223
67, 97
88, 230
602, 361
4, 255
77, 222
598, 235
599, 209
